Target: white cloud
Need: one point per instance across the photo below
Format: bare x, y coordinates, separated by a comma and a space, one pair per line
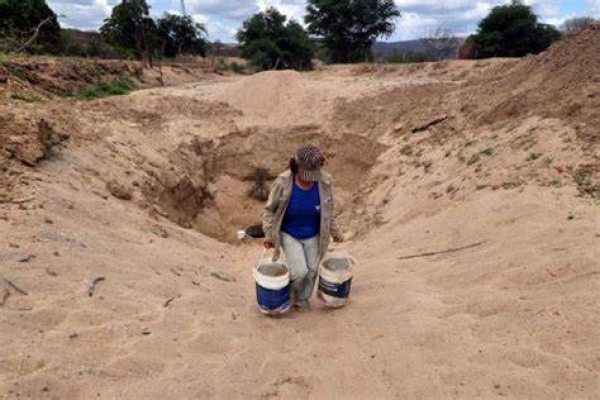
592, 8
82, 14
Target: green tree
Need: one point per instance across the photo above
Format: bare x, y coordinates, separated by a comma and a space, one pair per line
131, 30
19, 20
271, 43
180, 34
512, 30
349, 28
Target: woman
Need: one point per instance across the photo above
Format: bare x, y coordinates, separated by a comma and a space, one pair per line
299, 218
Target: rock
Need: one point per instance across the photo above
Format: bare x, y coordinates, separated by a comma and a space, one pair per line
48, 221
31, 151
160, 231
26, 258
119, 190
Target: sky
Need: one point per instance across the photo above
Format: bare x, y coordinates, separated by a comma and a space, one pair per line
419, 17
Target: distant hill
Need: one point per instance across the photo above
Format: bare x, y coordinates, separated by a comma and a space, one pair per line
419, 46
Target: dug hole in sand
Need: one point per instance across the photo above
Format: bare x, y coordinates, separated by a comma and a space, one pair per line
468, 190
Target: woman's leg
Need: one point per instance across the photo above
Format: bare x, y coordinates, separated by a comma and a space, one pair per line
311, 252
296, 259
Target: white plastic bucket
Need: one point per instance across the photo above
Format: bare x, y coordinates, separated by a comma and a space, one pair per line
335, 279
272, 286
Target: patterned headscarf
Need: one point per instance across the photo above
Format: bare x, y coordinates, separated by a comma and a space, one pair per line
310, 160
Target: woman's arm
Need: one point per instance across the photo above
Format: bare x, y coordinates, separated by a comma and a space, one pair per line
270, 209
334, 228
336, 232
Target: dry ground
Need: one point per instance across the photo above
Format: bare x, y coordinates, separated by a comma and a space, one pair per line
149, 189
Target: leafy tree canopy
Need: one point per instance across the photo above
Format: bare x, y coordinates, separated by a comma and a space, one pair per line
130, 29
349, 28
181, 35
512, 30
271, 43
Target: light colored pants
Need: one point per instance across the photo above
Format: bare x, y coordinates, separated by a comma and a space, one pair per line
303, 259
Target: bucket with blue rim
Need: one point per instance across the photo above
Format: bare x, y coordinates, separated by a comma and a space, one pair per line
335, 279
272, 280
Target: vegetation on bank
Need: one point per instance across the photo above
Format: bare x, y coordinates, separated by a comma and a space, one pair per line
337, 31
117, 87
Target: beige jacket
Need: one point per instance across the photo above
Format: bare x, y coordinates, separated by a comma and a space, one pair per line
276, 207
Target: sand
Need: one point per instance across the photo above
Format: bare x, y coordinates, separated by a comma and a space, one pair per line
515, 313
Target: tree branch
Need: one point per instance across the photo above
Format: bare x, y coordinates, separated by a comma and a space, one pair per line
35, 35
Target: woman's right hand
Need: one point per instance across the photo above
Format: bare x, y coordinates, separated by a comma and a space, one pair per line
268, 245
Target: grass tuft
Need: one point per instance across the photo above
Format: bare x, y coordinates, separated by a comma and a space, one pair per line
118, 87
26, 98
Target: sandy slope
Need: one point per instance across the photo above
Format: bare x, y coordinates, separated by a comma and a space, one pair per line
517, 315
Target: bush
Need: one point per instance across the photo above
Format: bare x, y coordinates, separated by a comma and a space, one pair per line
512, 30
237, 68
118, 87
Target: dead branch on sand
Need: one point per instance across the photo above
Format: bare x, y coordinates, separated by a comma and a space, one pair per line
92, 286
11, 201
429, 124
12, 285
168, 302
435, 253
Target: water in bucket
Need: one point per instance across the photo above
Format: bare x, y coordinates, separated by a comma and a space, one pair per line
335, 280
272, 286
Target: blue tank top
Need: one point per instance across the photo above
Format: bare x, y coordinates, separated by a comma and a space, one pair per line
302, 219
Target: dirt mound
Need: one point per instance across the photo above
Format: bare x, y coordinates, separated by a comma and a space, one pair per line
563, 82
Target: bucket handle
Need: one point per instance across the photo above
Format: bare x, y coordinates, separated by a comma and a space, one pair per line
262, 255
351, 260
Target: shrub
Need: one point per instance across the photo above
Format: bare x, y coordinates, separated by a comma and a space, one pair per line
237, 68
118, 87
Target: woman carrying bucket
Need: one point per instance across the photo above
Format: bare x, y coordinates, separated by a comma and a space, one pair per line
299, 218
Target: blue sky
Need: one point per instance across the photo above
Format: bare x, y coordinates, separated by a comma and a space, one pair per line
419, 17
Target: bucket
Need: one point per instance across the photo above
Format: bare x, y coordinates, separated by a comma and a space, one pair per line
335, 280
272, 286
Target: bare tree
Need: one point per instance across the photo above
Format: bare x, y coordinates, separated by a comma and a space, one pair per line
35, 34
441, 43
19, 41
575, 25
